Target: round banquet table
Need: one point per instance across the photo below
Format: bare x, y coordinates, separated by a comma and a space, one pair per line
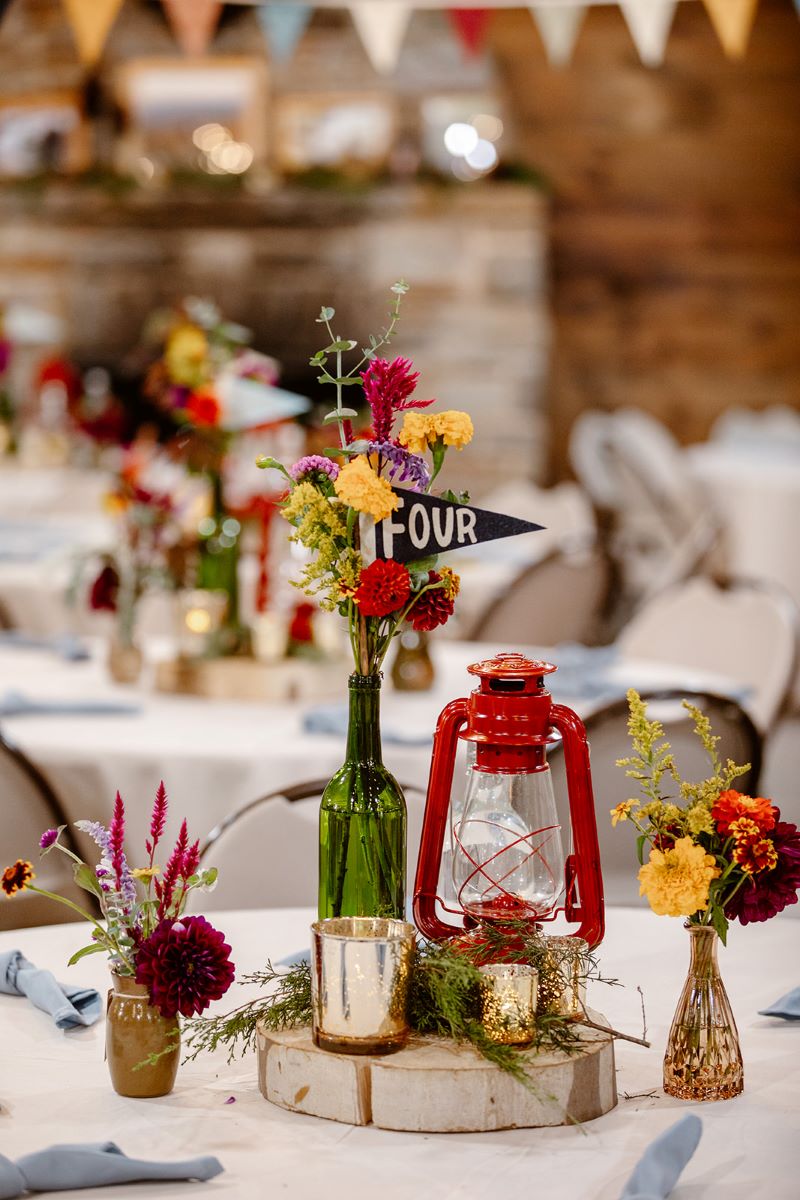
216, 756
55, 1088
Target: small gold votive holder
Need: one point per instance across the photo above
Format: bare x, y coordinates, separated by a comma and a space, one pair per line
201, 613
360, 972
509, 995
562, 987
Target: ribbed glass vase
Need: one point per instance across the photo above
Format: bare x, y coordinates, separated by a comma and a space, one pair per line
703, 1059
362, 824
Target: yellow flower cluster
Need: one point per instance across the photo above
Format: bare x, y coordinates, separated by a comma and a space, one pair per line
421, 429
321, 526
451, 583
676, 881
359, 486
621, 811
185, 355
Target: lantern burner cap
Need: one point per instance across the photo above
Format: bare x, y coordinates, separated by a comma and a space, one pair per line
511, 666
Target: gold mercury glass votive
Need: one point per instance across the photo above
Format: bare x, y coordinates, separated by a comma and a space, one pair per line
360, 972
508, 1002
562, 987
202, 612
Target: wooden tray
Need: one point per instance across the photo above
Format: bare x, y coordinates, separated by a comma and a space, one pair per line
249, 679
436, 1086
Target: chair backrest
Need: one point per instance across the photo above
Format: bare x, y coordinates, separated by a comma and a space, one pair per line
608, 741
744, 630
558, 599
267, 852
29, 806
565, 511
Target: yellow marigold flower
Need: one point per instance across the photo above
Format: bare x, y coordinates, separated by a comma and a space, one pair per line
455, 428
676, 881
16, 879
114, 504
359, 486
414, 433
451, 582
145, 873
185, 355
621, 811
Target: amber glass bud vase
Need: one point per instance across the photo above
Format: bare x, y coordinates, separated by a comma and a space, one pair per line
412, 670
703, 1059
134, 1031
362, 824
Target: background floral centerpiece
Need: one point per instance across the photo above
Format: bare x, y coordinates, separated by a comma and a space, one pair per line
164, 964
715, 855
362, 822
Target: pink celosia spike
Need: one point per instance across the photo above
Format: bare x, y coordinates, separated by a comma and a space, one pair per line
116, 838
159, 817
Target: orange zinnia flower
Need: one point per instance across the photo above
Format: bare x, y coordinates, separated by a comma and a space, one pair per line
731, 805
753, 852
16, 879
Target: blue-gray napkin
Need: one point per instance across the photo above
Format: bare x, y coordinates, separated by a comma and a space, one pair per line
15, 704
95, 1164
659, 1168
787, 1007
65, 645
294, 959
69, 1006
331, 720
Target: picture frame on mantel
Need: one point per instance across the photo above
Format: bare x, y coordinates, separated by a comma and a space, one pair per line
42, 133
207, 114
333, 131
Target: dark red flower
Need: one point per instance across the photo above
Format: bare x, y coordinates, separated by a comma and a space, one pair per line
433, 608
5, 355
388, 387
184, 965
16, 879
103, 594
764, 895
383, 587
301, 627
203, 408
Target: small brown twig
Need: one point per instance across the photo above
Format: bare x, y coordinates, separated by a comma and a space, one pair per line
626, 1037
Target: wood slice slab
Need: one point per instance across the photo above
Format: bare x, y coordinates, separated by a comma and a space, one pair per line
249, 679
437, 1086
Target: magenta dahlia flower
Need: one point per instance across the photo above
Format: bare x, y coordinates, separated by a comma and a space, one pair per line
766, 894
184, 965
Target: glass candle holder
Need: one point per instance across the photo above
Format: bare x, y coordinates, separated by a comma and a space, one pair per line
509, 994
201, 612
562, 987
360, 972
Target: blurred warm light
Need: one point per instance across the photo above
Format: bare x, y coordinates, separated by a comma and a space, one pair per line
483, 157
206, 137
463, 171
234, 157
198, 620
144, 169
488, 127
460, 139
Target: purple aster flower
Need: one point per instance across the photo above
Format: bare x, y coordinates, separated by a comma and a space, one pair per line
5, 354
48, 837
314, 464
404, 467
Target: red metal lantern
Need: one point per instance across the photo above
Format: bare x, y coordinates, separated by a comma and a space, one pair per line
507, 859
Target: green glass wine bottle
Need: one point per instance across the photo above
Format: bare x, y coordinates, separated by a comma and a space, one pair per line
218, 570
362, 824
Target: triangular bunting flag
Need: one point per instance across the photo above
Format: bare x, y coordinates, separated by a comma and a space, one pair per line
283, 25
733, 20
424, 525
381, 28
193, 22
91, 21
649, 23
558, 27
470, 26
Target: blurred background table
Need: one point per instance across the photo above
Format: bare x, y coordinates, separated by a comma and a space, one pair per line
56, 1088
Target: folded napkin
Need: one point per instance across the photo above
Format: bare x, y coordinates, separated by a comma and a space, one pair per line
15, 704
65, 645
294, 959
659, 1168
68, 1006
95, 1164
788, 1007
331, 720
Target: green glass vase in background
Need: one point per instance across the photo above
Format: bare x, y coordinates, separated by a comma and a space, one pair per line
362, 822
218, 571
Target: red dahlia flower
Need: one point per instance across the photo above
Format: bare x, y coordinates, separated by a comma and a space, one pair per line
433, 608
770, 891
103, 594
383, 587
184, 965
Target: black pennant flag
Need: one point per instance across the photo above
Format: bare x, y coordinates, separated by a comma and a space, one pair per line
425, 525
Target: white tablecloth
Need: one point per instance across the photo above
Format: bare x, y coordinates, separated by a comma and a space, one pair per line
216, 756
55, 1088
